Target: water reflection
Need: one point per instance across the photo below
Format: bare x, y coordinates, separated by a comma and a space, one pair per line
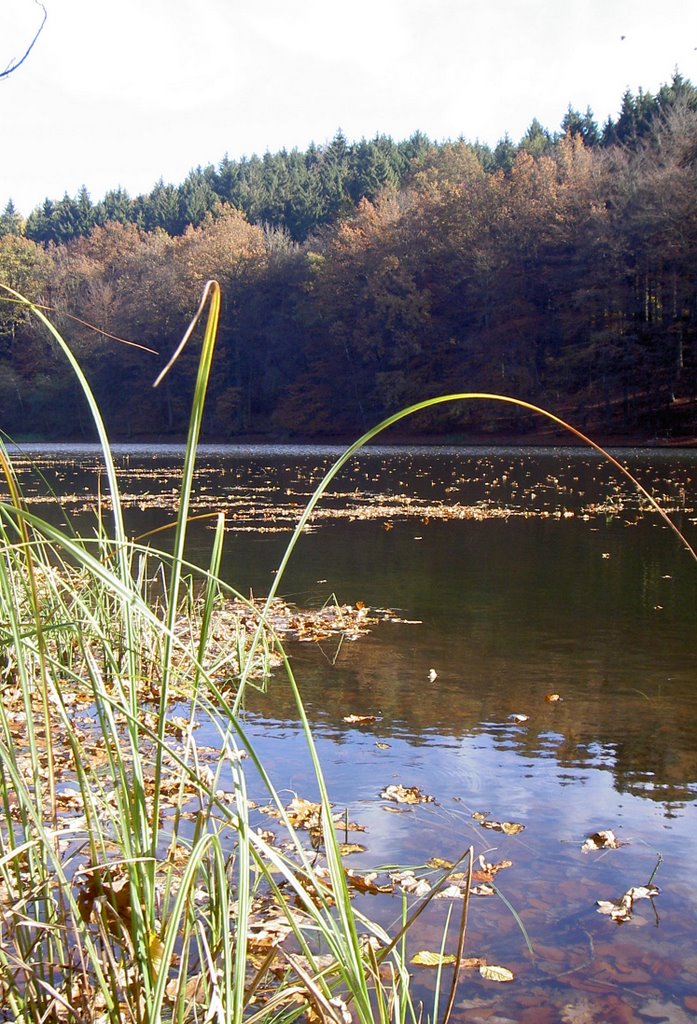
558, 583
588, 596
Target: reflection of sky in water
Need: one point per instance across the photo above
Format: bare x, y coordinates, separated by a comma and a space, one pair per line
558, 805
552, 885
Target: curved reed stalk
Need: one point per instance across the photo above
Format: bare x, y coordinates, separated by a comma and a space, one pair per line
139, 902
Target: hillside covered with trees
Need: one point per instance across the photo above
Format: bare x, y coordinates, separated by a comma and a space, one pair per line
360, 277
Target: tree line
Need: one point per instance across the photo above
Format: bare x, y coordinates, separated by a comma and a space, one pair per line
361, 277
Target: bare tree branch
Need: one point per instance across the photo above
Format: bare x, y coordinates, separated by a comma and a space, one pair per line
18, 63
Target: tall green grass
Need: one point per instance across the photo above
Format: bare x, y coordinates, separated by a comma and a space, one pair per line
133, 885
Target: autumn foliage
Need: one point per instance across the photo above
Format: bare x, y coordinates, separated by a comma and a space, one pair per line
560, 271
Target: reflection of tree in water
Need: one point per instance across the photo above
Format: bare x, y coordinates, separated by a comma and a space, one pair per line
649, 745
509, 610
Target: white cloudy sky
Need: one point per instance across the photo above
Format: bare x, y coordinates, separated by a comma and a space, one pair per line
126, 92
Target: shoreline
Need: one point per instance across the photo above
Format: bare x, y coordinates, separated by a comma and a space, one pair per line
390, 441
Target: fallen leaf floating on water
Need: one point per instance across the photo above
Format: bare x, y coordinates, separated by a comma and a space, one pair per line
304, 813
366, 883
451, 892
383, 746
510, 828
408, 881
603, 840
359, 719
180, 725
432, 675
427, 959
406, 795
621, 910
70, 799
494, 973
468, 962
643, 892
518, 718
346, 849
487, 872
551, 698
483, 890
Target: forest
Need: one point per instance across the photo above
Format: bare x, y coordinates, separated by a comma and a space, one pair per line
360, 277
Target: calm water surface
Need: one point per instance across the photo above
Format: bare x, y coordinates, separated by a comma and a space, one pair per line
577, 591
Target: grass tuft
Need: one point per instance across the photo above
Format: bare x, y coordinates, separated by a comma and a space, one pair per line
133, 884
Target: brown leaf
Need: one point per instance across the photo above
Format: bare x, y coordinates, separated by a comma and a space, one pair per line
469, 962
365, 883
304, 813
194, 990
488, 872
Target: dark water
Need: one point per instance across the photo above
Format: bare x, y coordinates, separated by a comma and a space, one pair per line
578, 591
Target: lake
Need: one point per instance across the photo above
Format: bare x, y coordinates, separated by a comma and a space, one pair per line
512, 576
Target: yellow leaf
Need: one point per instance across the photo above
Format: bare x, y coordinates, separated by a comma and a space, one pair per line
155, 949
428, 959
493, 973
347, 849
511, 828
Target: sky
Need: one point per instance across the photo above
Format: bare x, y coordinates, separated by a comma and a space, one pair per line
123, 94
